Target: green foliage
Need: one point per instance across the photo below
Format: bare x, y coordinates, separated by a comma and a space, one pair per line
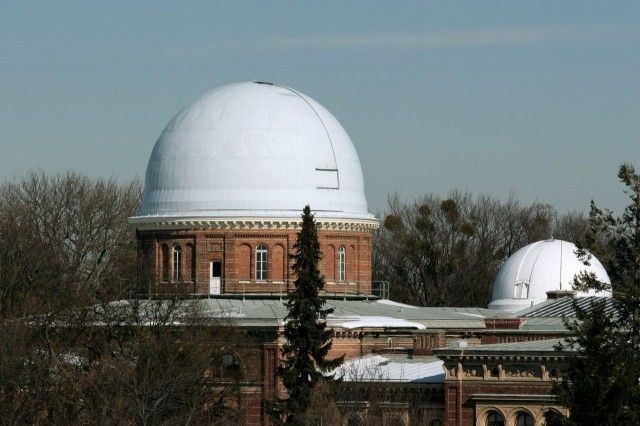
308, 341
601, 385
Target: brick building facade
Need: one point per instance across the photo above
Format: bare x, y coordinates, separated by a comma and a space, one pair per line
225, 185
253, 257
475, 376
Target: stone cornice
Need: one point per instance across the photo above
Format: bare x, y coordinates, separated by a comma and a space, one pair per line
248, 223
511, 397
465, 356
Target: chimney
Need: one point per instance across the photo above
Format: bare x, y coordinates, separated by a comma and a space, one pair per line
559, 294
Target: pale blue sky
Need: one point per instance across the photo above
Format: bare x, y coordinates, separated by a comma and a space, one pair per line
540, 98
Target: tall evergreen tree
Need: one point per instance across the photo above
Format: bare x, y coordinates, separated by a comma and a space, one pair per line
598, 386
601, 385
307, 338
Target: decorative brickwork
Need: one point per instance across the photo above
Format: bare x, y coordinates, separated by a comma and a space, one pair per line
507, 384
503, 323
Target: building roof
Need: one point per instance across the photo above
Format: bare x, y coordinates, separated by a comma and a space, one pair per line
356, 314
564, 307
350, 314
544, 325
527, 276
546, 345
503, 349
250, 150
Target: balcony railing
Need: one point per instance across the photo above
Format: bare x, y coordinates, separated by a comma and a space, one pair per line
378, 289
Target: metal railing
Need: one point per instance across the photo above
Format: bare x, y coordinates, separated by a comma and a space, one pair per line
380, 289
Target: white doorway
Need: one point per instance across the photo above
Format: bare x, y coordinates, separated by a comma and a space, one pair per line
215, 276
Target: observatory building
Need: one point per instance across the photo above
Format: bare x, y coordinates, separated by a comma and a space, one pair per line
225, 187
540, 270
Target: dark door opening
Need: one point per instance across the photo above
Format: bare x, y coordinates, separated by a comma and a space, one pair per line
215, 277
216, 269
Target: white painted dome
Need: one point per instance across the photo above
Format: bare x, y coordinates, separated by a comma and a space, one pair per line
526, 277
253, 150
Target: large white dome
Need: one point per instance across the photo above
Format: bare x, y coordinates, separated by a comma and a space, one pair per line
253, 150
527, 276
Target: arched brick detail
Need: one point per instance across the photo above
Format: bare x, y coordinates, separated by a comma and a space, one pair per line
190, 263
245, 266
351, 264
277, 267
514, 414
330, 263
482, 417
165, 258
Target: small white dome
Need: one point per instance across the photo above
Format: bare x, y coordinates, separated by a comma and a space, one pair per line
527, 276
253, 150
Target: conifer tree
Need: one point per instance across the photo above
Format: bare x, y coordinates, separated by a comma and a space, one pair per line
598, 385
601, 384
307, 338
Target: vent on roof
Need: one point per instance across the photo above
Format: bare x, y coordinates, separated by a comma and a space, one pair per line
458, 344
264, 82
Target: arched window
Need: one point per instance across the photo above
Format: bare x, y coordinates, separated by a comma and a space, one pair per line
342, 264
262, 263
495, 419
524, 419
177, 263
230, 366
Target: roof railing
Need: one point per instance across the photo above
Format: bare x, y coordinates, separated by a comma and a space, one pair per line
271, 287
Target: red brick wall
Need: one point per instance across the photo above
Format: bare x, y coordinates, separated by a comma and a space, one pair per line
236, 250
330, 262
278, 263
503, 323
243, 262
189, 263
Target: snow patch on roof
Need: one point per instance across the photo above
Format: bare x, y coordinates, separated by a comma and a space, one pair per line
372, 321
472, 315
398, 304
376, 368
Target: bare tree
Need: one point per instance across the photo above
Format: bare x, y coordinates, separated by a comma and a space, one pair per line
132, 362
74, 346
446, 251
65, 238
